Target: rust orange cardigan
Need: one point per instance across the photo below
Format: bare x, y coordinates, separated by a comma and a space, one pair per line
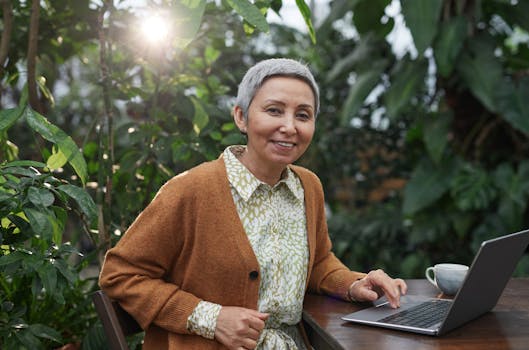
189, 245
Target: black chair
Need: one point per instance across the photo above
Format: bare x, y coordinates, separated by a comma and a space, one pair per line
117, 323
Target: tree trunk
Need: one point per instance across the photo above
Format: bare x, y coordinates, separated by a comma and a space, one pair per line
106, 144
7, 9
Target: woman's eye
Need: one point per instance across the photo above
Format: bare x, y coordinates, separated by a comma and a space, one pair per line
274, 111
303, 116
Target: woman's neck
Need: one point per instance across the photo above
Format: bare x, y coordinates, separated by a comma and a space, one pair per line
268, 175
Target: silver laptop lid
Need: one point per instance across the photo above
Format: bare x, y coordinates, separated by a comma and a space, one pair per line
486, 279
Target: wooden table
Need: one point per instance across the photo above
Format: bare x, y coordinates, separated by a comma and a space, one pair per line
505, 327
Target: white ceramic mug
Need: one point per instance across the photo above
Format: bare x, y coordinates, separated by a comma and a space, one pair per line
447, 277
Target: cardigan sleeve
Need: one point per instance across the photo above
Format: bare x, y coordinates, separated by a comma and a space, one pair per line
135, 271
328, 274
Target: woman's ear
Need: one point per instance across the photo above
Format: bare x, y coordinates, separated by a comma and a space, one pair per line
238, 118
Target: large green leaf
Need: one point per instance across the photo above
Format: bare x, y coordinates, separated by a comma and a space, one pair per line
28, 339
435, 135
422, 17
9, 116
64, 142
512, 99
428, 183
305, 12
481, 70
12, 258
45, 332
65, 270
449, 44
24, 163
406, 81
40, 196
188, 18
82, 198
41, 222
362, 87
22, 171
48, 275
472, 189
367, 15
250, 13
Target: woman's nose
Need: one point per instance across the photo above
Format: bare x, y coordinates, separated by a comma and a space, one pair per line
288, 124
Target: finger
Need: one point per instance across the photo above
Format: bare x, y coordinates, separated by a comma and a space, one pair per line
361, 290
257, 323
253, 333
261, 315
403, 287
249, 343
394, 289
257, 326
392, 293
255, 313
364, 292
385, 285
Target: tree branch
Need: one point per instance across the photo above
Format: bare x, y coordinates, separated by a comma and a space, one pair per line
34, 101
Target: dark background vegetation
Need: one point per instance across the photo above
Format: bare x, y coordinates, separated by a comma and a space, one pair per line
423, 154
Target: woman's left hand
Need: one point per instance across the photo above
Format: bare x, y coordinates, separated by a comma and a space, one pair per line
376, 284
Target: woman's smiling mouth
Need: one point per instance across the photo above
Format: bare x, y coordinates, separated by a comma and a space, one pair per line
285, 144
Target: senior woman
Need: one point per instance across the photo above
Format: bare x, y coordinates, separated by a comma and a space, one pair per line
224, 254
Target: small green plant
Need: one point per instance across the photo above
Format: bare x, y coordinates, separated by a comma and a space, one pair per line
43, 301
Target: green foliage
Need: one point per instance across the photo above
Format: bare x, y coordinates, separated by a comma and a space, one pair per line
42, 295
65, 150
363, 86
366, 16
435, 135
432, 141
449, 44
250, 13
43, 299
428, 183
406, 79
422, 18
481, 71
511, 99
307, 15
188, 16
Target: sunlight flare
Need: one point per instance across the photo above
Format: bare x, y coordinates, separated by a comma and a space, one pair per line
155, 28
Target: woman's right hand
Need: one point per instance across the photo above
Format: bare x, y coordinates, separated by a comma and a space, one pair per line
239, 328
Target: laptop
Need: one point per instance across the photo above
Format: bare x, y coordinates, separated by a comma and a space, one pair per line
486, 278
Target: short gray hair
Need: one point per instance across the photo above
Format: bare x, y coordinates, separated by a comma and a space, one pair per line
260, 72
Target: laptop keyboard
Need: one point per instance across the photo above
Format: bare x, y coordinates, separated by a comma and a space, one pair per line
423, 315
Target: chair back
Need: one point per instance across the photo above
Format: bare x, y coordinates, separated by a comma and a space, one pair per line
117, 323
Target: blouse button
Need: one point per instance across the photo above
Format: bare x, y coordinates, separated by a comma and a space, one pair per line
254, 275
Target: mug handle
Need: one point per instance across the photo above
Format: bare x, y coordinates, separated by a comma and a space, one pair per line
428, 272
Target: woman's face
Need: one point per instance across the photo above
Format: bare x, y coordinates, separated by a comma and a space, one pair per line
280, 125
